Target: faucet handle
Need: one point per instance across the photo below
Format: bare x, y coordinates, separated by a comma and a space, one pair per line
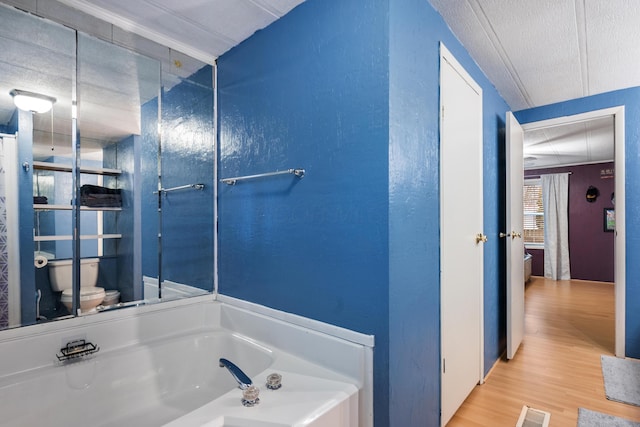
274, 381
250, 396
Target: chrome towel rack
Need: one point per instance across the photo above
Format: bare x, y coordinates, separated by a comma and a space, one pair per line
181, 187
232, 181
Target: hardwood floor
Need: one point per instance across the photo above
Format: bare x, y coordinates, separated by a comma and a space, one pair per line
568, 325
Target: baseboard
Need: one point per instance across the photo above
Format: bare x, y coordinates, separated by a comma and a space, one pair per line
498, 360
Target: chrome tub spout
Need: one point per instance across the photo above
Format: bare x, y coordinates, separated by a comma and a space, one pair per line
243, 380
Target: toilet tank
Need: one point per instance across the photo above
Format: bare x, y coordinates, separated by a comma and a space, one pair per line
60, 273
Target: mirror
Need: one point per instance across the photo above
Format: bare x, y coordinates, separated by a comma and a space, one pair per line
187, 162
133, 174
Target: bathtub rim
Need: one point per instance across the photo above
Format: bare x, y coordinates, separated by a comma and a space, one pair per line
97, 318
200, 311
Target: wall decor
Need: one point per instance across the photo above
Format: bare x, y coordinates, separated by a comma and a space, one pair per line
609, 219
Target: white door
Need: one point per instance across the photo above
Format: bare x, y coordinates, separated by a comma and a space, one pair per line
461, 239
515, 245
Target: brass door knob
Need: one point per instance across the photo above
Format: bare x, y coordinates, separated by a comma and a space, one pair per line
481, 238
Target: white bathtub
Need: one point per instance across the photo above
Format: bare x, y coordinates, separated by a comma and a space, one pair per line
175, 380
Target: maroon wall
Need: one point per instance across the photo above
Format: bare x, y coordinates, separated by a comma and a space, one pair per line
590, 247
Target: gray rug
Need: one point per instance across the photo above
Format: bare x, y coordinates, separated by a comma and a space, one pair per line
587, 418
621, 379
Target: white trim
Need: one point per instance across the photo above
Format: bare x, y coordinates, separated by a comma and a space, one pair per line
448, 56
620, 244
618, 114
294, 319
134, 27
215, 178
576, 118
534, 246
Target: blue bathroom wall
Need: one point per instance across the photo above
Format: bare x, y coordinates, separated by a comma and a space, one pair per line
25, 200
414, 199
630, 98
188, 223
148, 158
310, 91
350, 91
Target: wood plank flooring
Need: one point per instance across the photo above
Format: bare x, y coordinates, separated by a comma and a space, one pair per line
568, 325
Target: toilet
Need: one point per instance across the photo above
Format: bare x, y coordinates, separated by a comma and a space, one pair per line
60, 276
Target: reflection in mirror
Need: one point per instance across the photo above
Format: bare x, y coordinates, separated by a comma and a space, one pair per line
137, 244
38, 56
186, 161
118, 105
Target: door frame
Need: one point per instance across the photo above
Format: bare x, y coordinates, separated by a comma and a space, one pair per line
618, 114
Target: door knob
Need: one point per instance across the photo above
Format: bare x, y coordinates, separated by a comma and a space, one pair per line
514, 235
504, 234
481, 238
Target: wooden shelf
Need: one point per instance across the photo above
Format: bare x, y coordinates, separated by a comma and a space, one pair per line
45, 207
69, 237
61, 167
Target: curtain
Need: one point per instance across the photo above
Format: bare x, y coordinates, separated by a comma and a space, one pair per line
555, 201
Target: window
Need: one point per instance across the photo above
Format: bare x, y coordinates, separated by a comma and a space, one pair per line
533, 220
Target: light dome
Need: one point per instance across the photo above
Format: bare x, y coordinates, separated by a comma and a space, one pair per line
30, 101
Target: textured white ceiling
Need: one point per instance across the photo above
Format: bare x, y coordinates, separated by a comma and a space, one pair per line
200, 29
570, 144
535, 52
546, 51
204, 29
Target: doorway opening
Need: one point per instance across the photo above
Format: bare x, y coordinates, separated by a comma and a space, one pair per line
614, 116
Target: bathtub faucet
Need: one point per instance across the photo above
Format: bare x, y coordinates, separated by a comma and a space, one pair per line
243, 380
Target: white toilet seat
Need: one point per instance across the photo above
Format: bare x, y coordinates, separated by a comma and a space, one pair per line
86, 293
90, 298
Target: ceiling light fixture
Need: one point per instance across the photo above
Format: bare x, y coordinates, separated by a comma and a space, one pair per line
30, 101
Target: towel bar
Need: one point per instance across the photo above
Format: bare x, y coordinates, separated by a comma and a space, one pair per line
232, 181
